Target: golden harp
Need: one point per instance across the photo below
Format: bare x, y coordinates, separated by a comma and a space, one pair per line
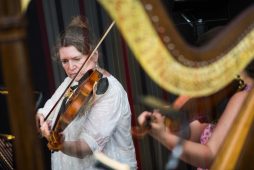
183, 69
164, 55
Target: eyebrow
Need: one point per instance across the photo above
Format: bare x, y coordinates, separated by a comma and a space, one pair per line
79, 56
75, 57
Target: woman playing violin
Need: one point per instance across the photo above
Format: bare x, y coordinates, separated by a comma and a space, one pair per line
104, 126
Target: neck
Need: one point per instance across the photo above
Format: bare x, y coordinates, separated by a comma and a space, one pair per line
103, 71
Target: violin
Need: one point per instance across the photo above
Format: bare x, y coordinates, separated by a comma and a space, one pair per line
80, 97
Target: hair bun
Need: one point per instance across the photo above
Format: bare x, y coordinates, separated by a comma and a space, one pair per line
79, 21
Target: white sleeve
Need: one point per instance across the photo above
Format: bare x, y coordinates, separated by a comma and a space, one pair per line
52, 101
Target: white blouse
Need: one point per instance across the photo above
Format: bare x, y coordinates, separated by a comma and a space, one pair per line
104, 127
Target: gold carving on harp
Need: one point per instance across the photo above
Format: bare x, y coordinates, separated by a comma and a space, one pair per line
165, 64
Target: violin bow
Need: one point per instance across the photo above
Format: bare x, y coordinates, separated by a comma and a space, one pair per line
91, 54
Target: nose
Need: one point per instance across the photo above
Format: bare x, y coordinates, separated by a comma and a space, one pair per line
72, 65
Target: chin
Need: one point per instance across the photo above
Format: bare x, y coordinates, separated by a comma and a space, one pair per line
77, 78
72, 76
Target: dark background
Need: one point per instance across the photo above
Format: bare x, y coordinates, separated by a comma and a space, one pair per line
191, 17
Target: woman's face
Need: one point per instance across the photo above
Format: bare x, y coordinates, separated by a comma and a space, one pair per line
72, 60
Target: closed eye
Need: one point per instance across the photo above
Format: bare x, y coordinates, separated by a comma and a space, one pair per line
64, 61
78, 58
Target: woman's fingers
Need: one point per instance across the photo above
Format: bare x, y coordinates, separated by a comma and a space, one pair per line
143, 117
39, 119
45, 130
158, 122
158, 117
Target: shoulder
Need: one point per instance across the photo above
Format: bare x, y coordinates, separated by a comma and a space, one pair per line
115, 91
114, 84
237, 100
233, 107
114, 97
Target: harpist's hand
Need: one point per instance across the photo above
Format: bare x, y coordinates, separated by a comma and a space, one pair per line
157, 123
143, 117
154, 120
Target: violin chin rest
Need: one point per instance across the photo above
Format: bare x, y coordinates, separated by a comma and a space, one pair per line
102, 86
